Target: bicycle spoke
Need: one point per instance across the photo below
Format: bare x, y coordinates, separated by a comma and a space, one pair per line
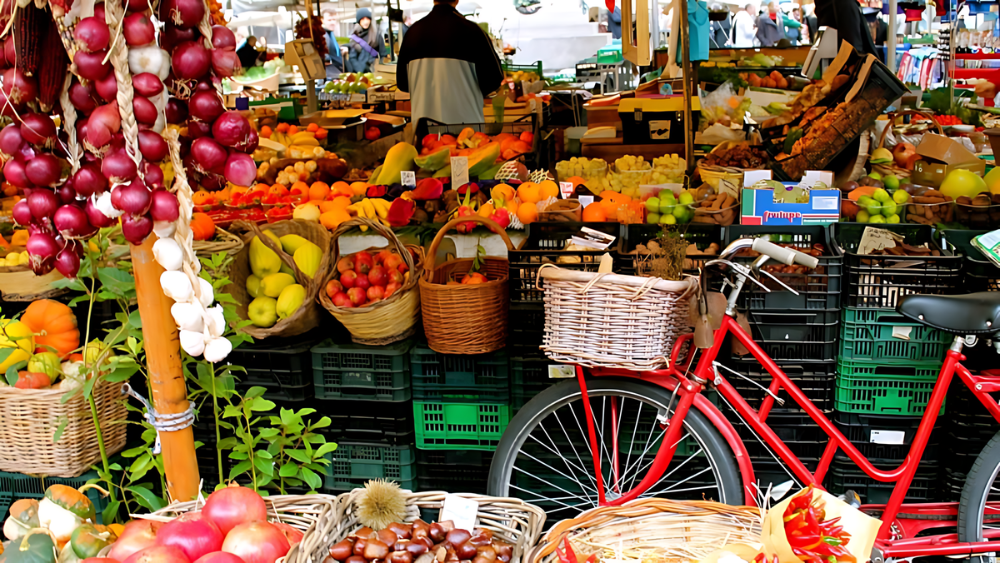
577, 454
548, 483
567, 506
556, 470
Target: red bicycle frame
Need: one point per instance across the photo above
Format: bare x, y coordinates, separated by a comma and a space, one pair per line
688, 388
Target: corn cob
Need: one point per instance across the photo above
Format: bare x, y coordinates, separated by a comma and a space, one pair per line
29, 25
52, 69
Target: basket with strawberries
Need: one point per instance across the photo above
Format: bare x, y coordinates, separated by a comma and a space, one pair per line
372, 292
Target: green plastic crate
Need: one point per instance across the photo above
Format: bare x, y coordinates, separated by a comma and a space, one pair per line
535, 67
469, 426
867, 334
351, 464
366, 373
460, 377
877, 388
17, 486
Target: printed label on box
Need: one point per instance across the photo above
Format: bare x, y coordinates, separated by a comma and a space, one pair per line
759, 208
888, 437
659, 130
561, 371
408, 178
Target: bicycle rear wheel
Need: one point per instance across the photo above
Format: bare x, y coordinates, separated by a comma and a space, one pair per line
545, 458
979, 507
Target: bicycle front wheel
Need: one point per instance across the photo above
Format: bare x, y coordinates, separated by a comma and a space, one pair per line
545, 457
979, 507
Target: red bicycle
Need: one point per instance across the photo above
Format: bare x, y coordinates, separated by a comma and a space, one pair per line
612, 435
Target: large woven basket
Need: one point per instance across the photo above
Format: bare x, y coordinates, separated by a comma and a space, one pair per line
652, 529
31, 417
225, 241
465, 319
511, 520
608, 320
891, 168
304, 512
389, 320
307, 316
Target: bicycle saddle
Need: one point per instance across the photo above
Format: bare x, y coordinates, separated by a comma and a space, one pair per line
975, 313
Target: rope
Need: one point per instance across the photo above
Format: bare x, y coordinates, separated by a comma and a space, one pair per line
69, 125
114, 14
161, 422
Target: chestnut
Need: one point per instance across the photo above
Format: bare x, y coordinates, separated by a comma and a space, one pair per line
342, 549
400, 557
437, 532
488, 552
464, 550
356, 559
451, 556
456, 537
481, 559
440, 553
503, 549
329, 559
448, 525
387, 536
481, 536
359, 546
503, 558
402, 531
376, 549
416, 548
362, 532
428, 543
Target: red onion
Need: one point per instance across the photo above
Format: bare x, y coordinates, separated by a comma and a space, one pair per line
95, 216
20, 89
13, 172
42, 203
250, 144
72, 223
22, 213
147, 84
198, 129
190, 59
91, 65
68, 262
152, 175
138, 30
177, 111
185, 13
88, 180
38, 129
173, 36
99, 11
43, 170
42, 248
209, 156
240, 169
105, 117
107, 87
152, 146
118, 167
145, 111
82, 97
10, 51
66, 192
92, 34
11, 140
134, 198
135, 229
213, 182
205, 86
225, 63
136, 5
164, 206
223, 38
231, 129
206, 106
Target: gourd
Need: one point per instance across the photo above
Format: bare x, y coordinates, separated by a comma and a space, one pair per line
202, 226
88, 541
399, 158
263, 260
307, 258
23, 517
434, 161
35, 547
483, 159
63, 510
54, 325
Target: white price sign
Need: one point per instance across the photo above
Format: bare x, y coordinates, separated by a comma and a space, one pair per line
459, 171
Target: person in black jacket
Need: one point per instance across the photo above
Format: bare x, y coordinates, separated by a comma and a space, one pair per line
448, 65
845, 16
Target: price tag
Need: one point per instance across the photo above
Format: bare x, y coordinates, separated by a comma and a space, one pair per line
459, 171
408, 178
460, 510
566, 189
561, 371
902, 332
876, 239
586, 200
888, 437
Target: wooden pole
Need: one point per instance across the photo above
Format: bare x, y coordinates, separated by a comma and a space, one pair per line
166, 376
686, 75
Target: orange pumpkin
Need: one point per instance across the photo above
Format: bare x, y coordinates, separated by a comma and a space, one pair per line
201, 197
19, 238
202, 226
29, 380
54, 325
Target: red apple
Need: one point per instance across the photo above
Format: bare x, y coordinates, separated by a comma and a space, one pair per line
342, 300
393, 262
396, 277
345, 264
357, 296
349, 279
382, 256
333, 287
362, 281
376, 293
363, 262
377, 276
393, 287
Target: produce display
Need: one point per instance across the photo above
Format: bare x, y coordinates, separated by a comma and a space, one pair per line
365, 279
350, 83
272, 285
420, 542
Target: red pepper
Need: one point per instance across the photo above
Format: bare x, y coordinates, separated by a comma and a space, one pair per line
400, 212
806, 541
427, 189
806, 555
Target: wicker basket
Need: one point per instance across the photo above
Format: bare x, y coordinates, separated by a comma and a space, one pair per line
652, 529
511, 520
307, 316
307, 513
389, 320
31, 418
465, 319
887, 169
19, 283
224, 242
608, 320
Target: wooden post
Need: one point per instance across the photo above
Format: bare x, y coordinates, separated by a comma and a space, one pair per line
687, 76
166, 376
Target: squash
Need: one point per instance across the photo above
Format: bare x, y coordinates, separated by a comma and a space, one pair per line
263, 260
483, 159
307, 258
32, 380
465, 136
202, 226
36, 547
434, 161
23, 517
88, 541
63, 510
399, 158
54, 325
17, 335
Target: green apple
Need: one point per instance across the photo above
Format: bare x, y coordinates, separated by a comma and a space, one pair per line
653, 204
667, 207
889, 208
901, 196
263, 312
686, 199
893, 219
668, 220
862, 216
875, 176
652, 218
891, 182
876, 219
881, 195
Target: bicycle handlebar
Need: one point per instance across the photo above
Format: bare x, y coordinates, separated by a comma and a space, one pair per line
786, 256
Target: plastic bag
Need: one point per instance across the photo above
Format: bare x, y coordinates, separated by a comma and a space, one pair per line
723, 106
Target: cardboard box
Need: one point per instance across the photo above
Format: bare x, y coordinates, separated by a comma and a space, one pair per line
941, 155
759, 207
655, 120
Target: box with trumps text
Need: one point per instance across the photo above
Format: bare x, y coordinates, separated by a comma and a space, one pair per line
759, 208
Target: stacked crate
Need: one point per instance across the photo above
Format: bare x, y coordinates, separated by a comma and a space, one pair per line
978, 274
800, 333
888, 364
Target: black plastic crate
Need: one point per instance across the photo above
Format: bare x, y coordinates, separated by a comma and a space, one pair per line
390, 423
455, 471
525, 329
529, 377
816, 379
460, 378
978, 273
282, 366
544, 245
818, 288
366, 373
844, 476
878, 282
799, 432
700, 235
884, 440
796, 336
354, 464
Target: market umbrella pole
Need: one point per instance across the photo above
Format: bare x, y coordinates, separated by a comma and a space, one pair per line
166, 376
686, 76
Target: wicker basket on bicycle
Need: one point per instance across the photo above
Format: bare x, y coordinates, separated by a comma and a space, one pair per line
651, 529
609, 320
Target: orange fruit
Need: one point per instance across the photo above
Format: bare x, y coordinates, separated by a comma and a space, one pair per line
266, 132
293, 129
312, 127
302, 187
527, 213
282, 127
594, 214
332, 219
360, 188
503, 191
335, 203
318, 191
549, 189
529, 192
278, 190
576, 181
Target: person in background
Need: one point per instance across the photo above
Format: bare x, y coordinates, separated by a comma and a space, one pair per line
845, 16
805, 37
878, 28
366, 44
335, 53
791, 25
248, 54
615, 23
810, 20
744, 28
721, 29
448, 84
771, 30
